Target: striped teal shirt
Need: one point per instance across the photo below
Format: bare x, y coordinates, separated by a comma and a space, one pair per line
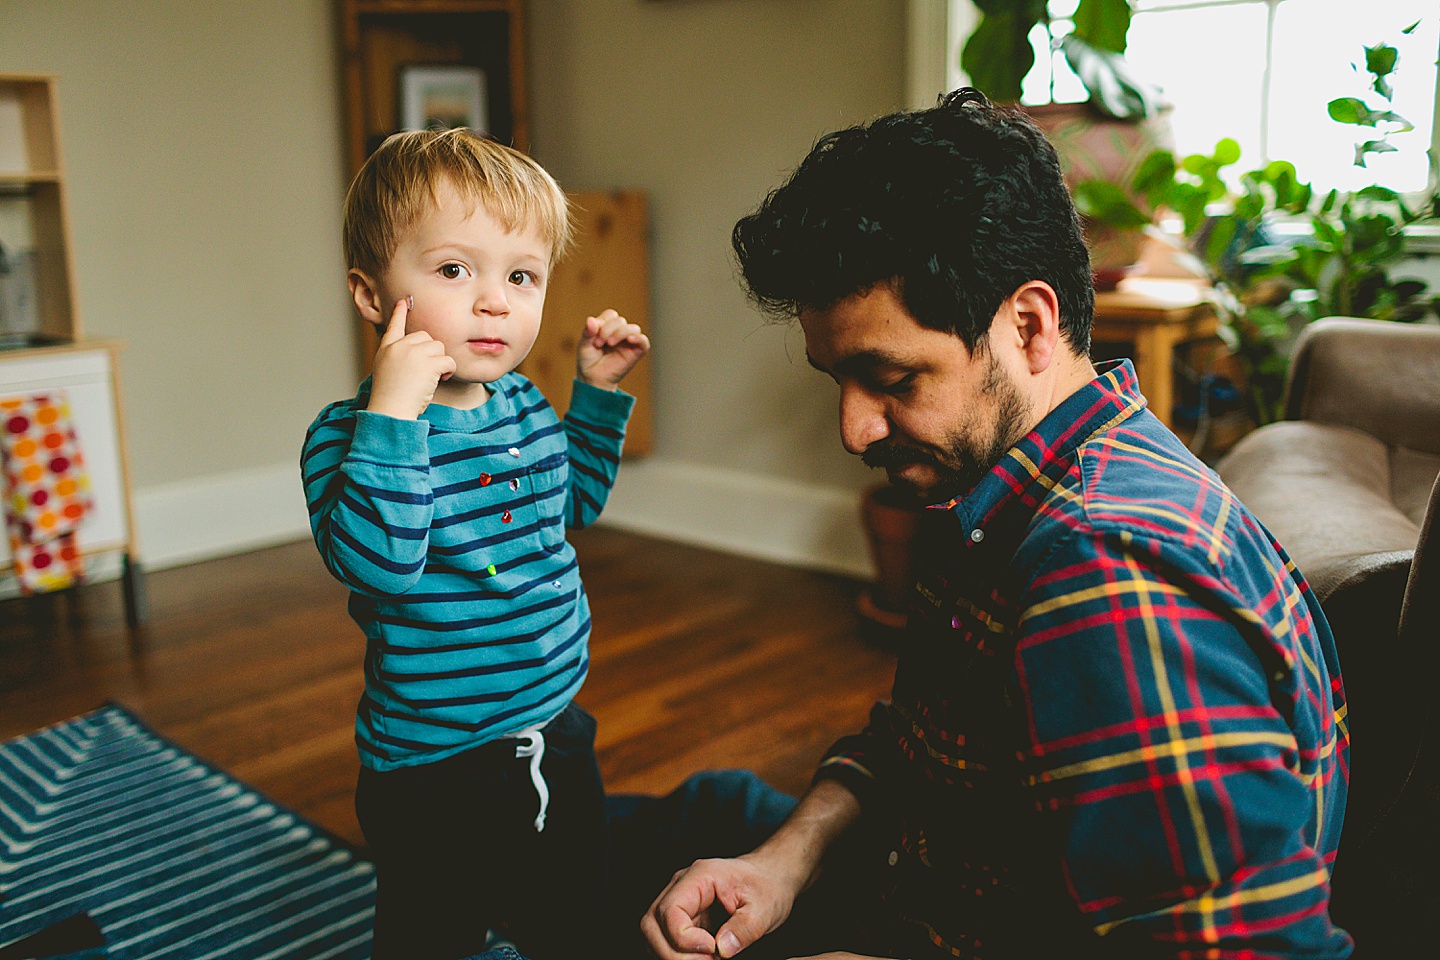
450, 533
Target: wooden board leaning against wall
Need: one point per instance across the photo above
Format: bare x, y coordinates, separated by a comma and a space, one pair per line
608, 266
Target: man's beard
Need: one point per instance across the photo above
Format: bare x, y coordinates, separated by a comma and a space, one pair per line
967, 457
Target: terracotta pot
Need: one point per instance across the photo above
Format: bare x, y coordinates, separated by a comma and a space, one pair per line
1095, 147
890, 522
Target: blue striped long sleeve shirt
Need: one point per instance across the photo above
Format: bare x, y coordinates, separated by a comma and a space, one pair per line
449, 531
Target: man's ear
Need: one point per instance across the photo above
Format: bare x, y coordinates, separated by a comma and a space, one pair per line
367, 296
1037, 323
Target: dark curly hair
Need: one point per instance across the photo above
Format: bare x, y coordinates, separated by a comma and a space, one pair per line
957, 205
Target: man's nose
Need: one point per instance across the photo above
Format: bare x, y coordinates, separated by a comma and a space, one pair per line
862, 420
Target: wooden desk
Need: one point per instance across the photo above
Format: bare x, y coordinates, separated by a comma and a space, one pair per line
1154, 316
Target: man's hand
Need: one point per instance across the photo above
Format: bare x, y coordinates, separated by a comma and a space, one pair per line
408, 367
684, 921
758, 890
608, 349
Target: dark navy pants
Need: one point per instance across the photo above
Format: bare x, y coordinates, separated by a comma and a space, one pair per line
456, 854
456, 851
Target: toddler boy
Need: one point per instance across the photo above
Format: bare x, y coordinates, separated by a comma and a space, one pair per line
439, 495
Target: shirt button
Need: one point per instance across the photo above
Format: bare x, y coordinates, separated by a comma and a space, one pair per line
894, 857
977, 535
557, 584
514, 484
514, 451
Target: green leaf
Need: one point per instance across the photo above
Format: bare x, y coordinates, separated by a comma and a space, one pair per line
1362, 150
1155, 176
1218, 243
1380, 59
1105, 202
1190, 203
1382, 87
1103, 24
1350, 110
1353, 111
1329, 203
1227, 151
998, 54
1114, 88
1326, 233
1377, 192
1300, 200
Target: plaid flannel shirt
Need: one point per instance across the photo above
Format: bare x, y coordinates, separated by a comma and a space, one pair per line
1117, 725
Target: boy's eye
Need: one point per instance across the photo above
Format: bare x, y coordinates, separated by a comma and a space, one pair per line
454, 271
522, 278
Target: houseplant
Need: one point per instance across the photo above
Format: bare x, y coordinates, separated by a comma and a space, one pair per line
998, 55
1102, 138
1343, 265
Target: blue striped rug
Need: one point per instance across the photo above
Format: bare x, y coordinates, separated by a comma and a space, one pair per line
106, 827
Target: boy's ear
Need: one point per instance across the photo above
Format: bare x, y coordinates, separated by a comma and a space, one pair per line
367, 296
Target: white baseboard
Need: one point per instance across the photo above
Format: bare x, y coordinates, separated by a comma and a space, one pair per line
780, 520
792, 523
207, 517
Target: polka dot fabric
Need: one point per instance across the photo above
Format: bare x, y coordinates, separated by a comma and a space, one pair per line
48, 492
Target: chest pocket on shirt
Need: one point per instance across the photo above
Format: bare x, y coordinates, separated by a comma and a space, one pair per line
547, 480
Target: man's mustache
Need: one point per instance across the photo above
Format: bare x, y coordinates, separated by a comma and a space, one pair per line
891, 456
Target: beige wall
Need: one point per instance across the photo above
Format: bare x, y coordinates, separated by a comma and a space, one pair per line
707, 105
202, 141
202, 146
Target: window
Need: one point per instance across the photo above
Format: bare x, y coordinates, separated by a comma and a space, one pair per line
1262, 73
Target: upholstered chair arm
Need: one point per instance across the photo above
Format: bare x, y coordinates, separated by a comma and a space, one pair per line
1376, 376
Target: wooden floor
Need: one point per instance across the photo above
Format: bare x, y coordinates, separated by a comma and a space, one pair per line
699, 660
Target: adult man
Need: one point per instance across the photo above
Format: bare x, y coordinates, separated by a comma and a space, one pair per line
1117, 724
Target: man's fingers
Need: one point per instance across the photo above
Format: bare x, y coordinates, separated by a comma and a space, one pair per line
395, 330
660, 946
737, 933
684, 934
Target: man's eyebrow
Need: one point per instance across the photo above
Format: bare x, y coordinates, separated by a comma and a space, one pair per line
860, 363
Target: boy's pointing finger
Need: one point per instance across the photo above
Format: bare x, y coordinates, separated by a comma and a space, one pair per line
395, 330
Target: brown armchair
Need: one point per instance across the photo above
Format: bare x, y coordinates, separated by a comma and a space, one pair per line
1347, 483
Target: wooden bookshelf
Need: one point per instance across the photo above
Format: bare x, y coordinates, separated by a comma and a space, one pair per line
43, 347
381, 36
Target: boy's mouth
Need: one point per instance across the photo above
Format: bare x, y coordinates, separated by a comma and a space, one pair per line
486, 344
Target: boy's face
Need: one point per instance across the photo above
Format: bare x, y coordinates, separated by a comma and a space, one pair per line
477, 289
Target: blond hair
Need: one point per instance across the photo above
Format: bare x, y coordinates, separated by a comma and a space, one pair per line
398, 184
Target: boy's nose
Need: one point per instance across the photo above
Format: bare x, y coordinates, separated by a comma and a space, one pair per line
491, 300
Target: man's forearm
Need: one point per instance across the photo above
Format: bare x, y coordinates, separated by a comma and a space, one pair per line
797, 848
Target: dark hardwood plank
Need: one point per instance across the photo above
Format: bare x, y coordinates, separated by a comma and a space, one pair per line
699, 660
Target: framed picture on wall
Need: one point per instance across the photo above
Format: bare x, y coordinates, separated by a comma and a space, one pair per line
441, 96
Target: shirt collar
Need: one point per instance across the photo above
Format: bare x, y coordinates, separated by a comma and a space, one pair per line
1044, 455
452, 420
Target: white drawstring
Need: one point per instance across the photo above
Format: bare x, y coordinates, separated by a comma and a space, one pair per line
534, 748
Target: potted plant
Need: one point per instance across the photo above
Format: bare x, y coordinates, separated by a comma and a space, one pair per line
1342, 266
1100, 139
